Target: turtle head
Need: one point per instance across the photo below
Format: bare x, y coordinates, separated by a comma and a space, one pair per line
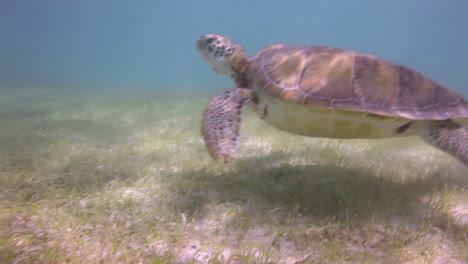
223, 55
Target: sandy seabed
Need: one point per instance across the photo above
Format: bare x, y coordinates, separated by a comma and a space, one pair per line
125, 178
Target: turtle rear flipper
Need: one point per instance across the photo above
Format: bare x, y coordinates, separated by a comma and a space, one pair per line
446, 135
221, 123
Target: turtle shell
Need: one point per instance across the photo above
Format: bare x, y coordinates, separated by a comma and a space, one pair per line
333, 78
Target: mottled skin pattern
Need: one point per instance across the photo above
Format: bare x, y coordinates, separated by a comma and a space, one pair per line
329, 92
221, 123
446, 135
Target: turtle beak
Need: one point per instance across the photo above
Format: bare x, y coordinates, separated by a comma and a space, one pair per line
206, 40
200, 43
204, 46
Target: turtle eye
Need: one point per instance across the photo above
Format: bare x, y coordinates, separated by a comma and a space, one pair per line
210, 40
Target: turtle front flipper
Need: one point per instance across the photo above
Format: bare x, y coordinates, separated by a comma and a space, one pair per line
446, 135
221, 123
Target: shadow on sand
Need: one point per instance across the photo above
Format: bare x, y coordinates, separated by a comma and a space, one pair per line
314, 192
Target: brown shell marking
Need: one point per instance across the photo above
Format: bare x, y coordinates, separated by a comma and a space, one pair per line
341, 79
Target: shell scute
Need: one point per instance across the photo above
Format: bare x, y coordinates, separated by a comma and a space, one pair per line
326, 77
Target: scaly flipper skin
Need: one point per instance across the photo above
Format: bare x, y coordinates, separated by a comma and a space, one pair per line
445, 135
221, 123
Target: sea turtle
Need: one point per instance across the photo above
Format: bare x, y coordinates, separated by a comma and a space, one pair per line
328, 92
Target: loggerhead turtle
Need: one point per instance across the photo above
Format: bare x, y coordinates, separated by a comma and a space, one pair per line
328, 92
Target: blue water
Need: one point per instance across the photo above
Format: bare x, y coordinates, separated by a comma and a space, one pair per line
149, 44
